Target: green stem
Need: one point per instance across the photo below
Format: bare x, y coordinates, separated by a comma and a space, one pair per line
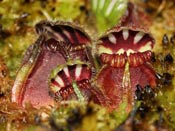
78, 92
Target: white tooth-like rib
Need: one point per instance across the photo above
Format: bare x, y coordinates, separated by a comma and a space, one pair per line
112, 38
125, 34
59, 80
57, 35
66, 71
121, 51
128, 52
78, 71
103, 49
138, 37
146, 47
67, 34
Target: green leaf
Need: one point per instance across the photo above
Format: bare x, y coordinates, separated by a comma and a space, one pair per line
108, 13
